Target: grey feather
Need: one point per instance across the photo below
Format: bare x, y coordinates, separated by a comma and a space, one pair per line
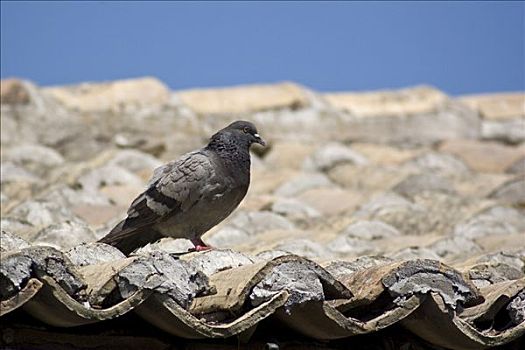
187, 197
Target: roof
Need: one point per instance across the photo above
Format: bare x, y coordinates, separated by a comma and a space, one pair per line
336, 301
405, 229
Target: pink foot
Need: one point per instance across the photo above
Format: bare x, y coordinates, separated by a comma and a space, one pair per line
200, 248
199, 245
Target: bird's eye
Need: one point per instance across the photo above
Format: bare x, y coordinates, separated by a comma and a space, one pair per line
246, 129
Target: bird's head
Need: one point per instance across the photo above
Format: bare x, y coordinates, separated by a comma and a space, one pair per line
246, 130
243, 131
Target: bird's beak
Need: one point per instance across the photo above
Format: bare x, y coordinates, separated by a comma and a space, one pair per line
259, 140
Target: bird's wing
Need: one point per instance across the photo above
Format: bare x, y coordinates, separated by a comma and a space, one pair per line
162, 170
174, 188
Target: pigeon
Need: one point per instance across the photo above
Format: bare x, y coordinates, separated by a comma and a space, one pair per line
187, 197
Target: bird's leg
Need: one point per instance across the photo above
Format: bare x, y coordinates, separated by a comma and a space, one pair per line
199, 245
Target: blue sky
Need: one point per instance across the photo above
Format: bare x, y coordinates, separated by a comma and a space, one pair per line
460, 47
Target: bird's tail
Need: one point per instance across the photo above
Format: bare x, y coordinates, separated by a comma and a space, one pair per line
127, 239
